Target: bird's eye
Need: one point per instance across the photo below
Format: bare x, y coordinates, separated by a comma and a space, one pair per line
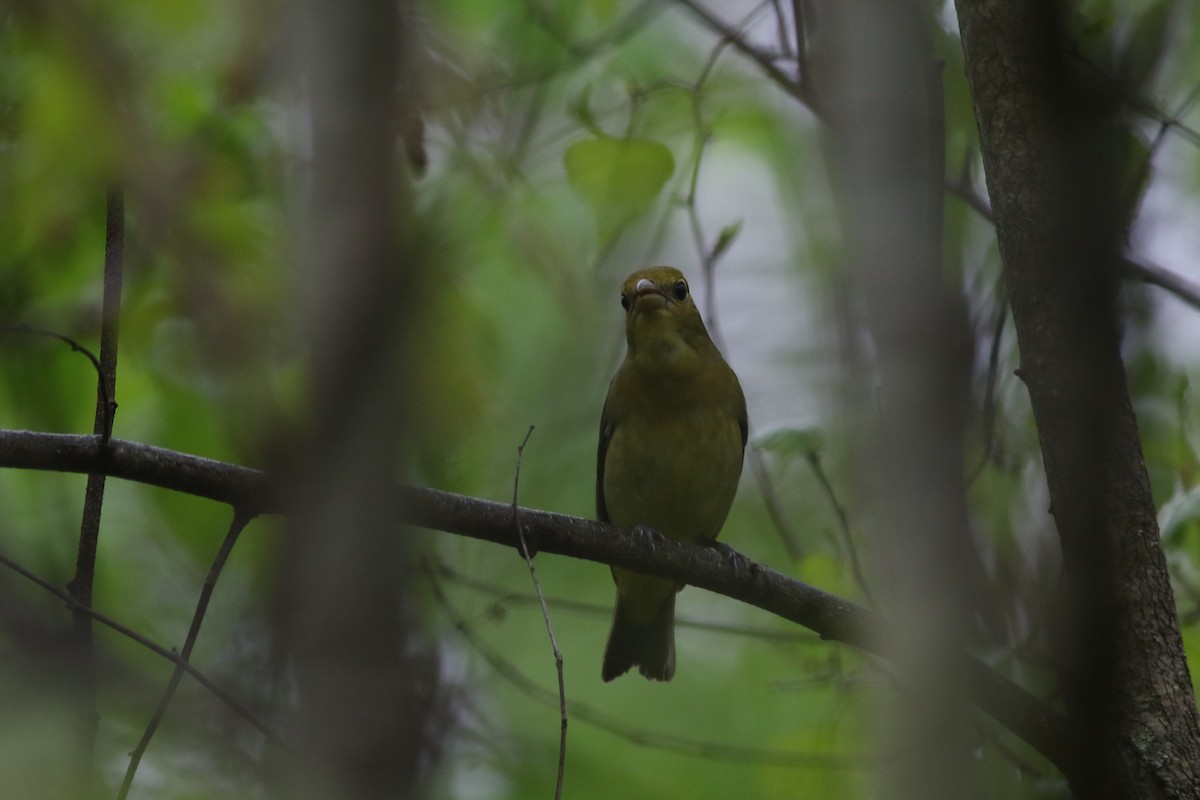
679, 291
625, 302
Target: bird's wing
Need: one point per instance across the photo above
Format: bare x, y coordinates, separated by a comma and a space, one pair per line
606, 431
739, 408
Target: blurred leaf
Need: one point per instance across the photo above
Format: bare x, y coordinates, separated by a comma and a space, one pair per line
580, 107
790, 443
619, 179
728, 235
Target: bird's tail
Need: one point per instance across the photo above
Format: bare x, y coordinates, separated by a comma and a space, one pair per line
648, 646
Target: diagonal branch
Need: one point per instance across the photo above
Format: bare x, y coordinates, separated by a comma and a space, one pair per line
236, 527
1147, 273
170, 655
826, 614
1130, 268
763, 59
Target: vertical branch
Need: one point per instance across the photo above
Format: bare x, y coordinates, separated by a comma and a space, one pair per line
802, 32
883, 105
110, 319
80, 586
365, 682
709, 258
558, 658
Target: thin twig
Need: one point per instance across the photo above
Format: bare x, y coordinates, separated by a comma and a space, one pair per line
766, 486
635, 21
80, 586
1150, 274
709, 258
1153, 275
1135, 101
962, 188
801, 30
989, 397
814, 461
800, 91
781, 30
640, 736
764, 60
700, 141
758, 466
503, 594
110, 311
74, 345
153, 647
240, 520
558, 659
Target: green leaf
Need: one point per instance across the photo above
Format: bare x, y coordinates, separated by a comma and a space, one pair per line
619, 179
728, 234
790, 442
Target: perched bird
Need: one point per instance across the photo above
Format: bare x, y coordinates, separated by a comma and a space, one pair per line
672, 435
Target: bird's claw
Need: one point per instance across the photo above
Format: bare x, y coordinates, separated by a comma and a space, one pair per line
732, 557
648, 535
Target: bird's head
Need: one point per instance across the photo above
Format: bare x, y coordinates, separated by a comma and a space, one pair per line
660, 314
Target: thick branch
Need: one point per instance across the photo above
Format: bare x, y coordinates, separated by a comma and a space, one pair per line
826, 614
1052, 153
241, 487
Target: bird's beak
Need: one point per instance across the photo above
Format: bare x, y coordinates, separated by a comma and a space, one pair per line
650, 297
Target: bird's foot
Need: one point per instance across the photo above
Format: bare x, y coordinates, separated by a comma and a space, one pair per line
732, 557
648, 535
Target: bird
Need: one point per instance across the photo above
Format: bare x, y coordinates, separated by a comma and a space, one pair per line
672, 438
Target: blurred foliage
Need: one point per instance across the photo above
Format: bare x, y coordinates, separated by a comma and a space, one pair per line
569, 143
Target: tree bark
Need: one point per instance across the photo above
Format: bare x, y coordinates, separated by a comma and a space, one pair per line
1051, 154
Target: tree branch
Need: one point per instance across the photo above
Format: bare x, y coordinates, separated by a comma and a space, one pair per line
1183, 289
763, 59
93, 498
135, 758
830, 616
170, 655
1130, 269
801, 91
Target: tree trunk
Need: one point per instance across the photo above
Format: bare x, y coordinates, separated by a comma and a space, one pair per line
880, 89
1051, 153
365, 683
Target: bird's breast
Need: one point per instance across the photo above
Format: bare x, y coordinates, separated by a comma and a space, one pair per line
674, 469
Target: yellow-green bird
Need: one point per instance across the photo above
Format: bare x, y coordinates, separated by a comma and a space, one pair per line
672, 435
